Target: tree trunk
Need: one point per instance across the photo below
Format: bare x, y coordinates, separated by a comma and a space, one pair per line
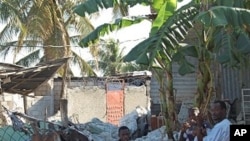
205, 86
64, 112
167, 99
58, 44
171, 117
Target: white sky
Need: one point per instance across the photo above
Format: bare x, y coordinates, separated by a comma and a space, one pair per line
128, 37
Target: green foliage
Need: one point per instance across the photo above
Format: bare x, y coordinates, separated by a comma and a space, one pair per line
231, 40
88, 70
95, 35
29, 58
164, 9
231, 3
225, 16
39, 25
110, 59
233, 48
181, 58
92, 6
165, 42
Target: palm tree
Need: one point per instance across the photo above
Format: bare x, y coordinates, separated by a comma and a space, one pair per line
110, 59
43, 23
47, 28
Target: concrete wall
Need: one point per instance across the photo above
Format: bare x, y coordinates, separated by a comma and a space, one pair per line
85, 101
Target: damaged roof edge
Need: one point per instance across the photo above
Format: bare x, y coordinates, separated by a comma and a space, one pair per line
26, 80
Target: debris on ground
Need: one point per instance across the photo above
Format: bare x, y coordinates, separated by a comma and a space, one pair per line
95, 130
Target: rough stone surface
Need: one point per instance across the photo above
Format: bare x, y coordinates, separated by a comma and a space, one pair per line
86, 103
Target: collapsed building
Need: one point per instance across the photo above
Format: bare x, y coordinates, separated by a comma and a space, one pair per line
32, 102
94, 109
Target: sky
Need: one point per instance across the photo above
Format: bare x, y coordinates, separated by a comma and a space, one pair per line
128, 37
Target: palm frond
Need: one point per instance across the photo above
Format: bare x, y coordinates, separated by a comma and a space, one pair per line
5, 50
35, 22
107, 28
8, 48
8, 32
84, 66
32, 58
75, 39
41, 21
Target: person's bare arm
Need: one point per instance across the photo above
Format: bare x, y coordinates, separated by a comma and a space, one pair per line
199, 134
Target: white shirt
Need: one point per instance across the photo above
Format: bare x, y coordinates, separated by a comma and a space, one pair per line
220, 132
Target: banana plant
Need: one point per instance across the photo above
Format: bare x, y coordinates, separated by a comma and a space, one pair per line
223, 38
158, 50
163, 10
227, 41
162, 47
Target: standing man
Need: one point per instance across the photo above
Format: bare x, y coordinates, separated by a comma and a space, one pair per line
221, 129
124, 133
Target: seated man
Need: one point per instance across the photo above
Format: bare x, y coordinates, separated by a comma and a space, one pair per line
124, 133
220, 131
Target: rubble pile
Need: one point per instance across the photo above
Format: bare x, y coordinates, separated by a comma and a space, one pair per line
97, 130
94, 130
157, 135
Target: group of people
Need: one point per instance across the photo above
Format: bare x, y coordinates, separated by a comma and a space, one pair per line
196, 128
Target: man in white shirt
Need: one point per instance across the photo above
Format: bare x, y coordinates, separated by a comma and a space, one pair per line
220, 131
